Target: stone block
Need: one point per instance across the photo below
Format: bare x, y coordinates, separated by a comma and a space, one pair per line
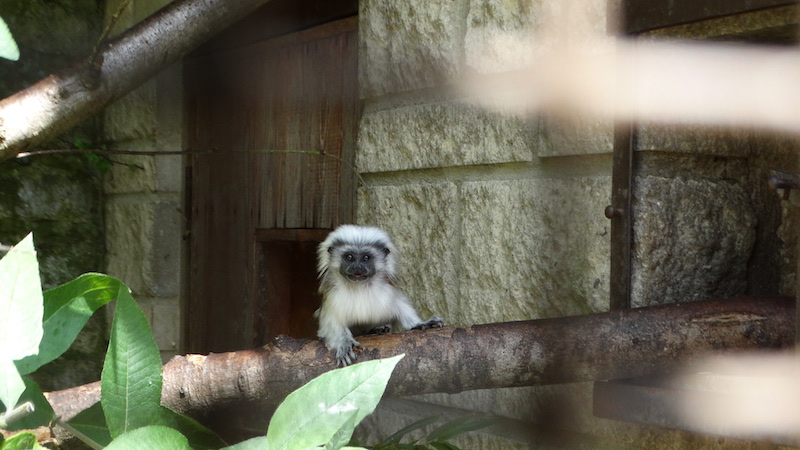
132, 116
166, 262
409, 45
692, 240
422, 220
579, 134
166, 323
694, 139
500, 35
169, 173
129, 242
441, 135
170, 106
131, 173
143, 239
503, 36
533, 248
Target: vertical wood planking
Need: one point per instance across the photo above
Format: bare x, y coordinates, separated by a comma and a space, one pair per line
255, 112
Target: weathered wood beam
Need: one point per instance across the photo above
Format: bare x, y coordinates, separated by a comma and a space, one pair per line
62, 100
618, 344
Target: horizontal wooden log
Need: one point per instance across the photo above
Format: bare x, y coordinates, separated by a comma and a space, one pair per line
618, 344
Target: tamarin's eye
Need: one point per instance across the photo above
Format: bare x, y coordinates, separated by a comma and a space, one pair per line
349, 257
365, 258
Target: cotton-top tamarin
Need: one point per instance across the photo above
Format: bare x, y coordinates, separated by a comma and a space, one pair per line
357, 271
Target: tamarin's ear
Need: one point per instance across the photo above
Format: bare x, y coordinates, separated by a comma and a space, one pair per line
330, 249
386, 250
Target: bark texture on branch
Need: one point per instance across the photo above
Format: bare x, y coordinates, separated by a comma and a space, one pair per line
611, 345
62, 100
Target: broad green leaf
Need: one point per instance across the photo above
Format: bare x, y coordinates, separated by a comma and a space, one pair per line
342, 437
67, 308
458, 426
20, 301
20, 315
315, 413
8, 46
256, 443
199, 436
92, 423
11, 384
398, 436
131, 379
149, 438
42, 413
22, 441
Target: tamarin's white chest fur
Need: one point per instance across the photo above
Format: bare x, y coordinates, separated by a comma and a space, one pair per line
367, 303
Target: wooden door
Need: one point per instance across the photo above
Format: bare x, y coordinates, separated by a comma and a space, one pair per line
272, 128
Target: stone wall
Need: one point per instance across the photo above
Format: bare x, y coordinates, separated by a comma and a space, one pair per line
500, 217
497, 217
144, 217
58, 197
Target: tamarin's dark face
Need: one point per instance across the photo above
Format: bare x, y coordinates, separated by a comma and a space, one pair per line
359, 263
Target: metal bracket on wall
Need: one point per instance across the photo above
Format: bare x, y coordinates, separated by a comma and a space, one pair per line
784, 182
621, 215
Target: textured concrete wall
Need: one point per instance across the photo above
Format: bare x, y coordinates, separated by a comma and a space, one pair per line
497, 217
500, 217
143, 194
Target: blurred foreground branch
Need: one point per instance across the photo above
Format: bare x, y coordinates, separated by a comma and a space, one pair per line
610, 345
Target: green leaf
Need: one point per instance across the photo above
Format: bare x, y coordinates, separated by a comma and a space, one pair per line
20, 315
11, 383
130, 383
199, 436
67, 308
345, 432
315, 413
396, 437
42, 413
92, 423
22, 441
149, 438
8, 46
256, 443
458, 426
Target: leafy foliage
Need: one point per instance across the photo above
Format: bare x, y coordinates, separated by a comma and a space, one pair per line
21, 441
438, 437
8, 46
131, 379
37, 327
20, 316
330, 405
67, 308
150, 437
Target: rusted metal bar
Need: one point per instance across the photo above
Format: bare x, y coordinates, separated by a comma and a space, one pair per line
621, 215
617, 344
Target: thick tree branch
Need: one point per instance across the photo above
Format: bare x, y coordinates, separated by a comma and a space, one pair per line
57, 103
618, 344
